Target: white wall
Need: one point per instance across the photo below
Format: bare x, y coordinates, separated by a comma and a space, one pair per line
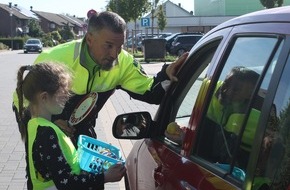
179, 24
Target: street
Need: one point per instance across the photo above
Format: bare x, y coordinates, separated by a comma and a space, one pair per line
12, 154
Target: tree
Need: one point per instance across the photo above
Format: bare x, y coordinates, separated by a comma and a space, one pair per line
272, 3
130, 10
34, 29
120, 7
161, 18
67, 33
153, 13
55, 35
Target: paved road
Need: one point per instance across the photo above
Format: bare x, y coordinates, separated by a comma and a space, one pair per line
12, 160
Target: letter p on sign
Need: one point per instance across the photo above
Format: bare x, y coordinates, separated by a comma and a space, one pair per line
145, 22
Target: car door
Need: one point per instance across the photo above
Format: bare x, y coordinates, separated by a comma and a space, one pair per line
220, 139
226, 131
157, 158
208, 158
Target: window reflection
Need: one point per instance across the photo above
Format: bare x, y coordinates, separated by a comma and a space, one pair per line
274, 161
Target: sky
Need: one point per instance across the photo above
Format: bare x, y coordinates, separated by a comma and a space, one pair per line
79, 8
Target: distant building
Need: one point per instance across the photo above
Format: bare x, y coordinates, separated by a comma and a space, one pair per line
14, 20
206, 15
79, 26
227, 7
178, 20
51, 22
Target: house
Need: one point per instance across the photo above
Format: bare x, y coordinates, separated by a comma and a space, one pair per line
79, 25
51, 22
14, 20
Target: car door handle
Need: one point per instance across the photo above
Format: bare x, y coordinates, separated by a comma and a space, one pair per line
158, 176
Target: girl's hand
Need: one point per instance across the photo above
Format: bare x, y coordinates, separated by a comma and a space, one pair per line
115, 173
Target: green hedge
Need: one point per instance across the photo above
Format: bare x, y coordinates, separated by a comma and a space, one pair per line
17, 42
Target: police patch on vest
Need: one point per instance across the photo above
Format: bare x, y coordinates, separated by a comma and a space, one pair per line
139, 67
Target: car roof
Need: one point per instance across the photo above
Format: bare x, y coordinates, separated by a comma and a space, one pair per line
189, 35
174, 35
274, 15
33, 39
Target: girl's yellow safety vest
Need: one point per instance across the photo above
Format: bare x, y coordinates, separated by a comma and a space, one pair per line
65, 144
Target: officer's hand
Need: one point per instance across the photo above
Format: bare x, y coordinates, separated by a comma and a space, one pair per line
68, 130
172, 69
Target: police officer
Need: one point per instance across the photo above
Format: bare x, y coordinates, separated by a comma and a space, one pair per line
100, 64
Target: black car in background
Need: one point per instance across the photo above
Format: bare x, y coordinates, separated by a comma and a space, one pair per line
163, 35
170, 39
183, 43
33, 45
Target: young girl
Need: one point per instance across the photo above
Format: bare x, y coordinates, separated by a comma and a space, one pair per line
50, 155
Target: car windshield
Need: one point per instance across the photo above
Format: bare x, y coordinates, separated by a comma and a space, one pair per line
33, 42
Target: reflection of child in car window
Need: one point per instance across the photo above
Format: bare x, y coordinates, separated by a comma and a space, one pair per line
229, 104
230, 96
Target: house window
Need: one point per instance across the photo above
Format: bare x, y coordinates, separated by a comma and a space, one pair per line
52, 25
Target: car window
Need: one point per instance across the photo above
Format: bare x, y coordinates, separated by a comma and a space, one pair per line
33, 42
185, 109
169, 37
274, 159
182, 39
227, 131
185, 102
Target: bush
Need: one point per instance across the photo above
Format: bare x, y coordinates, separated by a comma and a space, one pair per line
17, 42
3, 46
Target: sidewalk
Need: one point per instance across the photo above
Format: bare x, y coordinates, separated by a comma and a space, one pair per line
12, 156
120, 103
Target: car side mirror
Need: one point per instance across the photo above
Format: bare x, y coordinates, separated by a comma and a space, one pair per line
132, 125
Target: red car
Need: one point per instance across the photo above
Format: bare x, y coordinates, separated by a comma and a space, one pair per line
226, 123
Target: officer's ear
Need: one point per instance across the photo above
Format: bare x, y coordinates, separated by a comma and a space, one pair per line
89, 39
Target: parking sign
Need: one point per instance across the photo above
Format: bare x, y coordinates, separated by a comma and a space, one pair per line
145, 22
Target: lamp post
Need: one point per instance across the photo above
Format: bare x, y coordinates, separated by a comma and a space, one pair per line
11, 14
